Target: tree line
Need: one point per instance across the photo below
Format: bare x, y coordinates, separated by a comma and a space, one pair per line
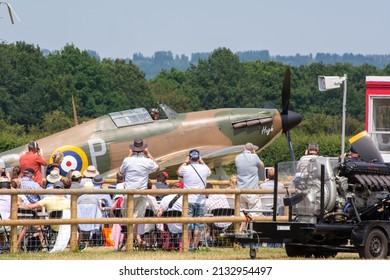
36, 90
153, 65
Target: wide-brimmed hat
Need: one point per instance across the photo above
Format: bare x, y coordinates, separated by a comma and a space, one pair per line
97, 180
54, 176
90, 172
138, 145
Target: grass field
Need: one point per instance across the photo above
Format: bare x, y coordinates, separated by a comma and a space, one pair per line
107, 253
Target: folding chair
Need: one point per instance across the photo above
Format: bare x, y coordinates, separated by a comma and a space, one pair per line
89, 233
62, 236
51, 234
149, 232
31, 235
6, 240
220, 227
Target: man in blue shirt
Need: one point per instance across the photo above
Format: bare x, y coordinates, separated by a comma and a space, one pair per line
248, 165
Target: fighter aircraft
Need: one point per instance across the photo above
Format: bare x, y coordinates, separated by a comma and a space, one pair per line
218, 134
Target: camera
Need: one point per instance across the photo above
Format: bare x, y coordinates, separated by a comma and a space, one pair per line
3, 174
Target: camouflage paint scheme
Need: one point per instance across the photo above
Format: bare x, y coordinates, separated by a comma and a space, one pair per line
101, 143
218, 134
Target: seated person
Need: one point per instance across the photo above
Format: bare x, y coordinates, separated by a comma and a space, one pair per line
105, 199
154, 113
267, 200
173, 202
310, 154
5, 212
161, 183
57, 202
353, 155
217, 201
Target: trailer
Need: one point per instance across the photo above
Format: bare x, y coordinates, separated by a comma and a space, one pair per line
332, 207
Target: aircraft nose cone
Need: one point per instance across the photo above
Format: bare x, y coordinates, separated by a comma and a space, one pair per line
290, 120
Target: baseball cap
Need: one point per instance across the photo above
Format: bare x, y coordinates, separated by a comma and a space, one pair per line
194, 154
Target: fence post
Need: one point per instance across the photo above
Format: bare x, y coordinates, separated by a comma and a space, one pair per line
130, 227
14, 229
185, 225
73, 228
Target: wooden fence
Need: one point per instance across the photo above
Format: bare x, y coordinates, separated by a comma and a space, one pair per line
130, 222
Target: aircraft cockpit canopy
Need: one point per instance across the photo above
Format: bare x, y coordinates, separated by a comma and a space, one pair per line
131, 117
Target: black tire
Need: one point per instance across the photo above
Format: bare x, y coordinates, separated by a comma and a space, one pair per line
297, 251
375, 246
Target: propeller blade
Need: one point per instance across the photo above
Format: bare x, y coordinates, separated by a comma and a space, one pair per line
286, 91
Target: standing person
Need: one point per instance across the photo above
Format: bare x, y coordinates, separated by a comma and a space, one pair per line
248, 165
195, 172
33, 159
136, 167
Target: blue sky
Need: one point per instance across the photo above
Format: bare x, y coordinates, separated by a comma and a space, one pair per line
120, 28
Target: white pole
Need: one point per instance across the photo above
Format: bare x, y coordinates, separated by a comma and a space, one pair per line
343, 120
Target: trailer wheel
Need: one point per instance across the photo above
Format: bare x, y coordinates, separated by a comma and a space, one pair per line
297, 251
375, 245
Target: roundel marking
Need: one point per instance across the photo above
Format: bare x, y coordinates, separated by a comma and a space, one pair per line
74, 158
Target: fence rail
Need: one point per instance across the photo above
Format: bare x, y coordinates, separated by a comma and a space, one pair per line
129, 222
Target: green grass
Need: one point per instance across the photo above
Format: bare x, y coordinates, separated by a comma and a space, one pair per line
107, 253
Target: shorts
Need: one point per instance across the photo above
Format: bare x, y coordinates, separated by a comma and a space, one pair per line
250, 202
139, 207
196, 210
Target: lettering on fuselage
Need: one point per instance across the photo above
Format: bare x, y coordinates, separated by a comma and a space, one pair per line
97, 148
267, 130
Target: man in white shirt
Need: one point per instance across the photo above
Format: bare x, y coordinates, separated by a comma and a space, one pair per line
195, 172
136, 168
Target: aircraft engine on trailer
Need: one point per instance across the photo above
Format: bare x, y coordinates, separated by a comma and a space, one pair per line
352, 190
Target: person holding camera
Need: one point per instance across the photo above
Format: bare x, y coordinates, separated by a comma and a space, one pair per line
136, 167
33, 159
195, 173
